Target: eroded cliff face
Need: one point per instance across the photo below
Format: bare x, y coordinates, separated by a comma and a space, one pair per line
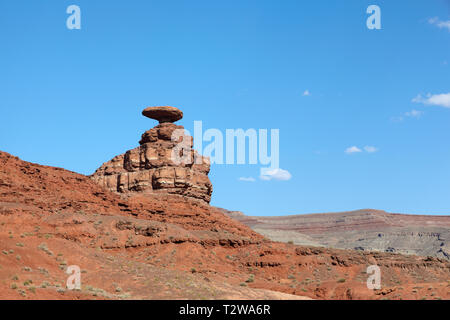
154, 166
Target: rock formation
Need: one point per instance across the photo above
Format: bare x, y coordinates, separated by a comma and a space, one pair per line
164, 162
163, 114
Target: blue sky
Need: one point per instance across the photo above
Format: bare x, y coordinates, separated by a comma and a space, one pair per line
73, 98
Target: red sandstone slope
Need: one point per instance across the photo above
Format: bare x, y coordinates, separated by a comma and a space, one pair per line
28, 187
170, 247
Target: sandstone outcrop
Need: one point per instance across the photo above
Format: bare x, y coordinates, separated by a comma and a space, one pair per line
163, 163
163, 114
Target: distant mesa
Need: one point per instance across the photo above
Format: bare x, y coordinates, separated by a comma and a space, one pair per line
163, 114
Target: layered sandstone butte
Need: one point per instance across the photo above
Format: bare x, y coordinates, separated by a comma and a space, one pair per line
153, 166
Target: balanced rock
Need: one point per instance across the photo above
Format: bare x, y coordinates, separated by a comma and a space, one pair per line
150, 168
163, 114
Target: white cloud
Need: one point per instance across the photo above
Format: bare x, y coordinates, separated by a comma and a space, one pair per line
306, 93
397, 119
275, 174
442, 100
370, 149
247, 179
439, 23
414, 113
353, 149
410, 114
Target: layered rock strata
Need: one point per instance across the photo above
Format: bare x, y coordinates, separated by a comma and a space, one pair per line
164, 162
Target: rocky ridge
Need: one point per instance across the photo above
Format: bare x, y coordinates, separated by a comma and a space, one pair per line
167, 246
364, 230
141, 228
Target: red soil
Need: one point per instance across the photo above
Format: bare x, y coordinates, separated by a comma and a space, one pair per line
171, 247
